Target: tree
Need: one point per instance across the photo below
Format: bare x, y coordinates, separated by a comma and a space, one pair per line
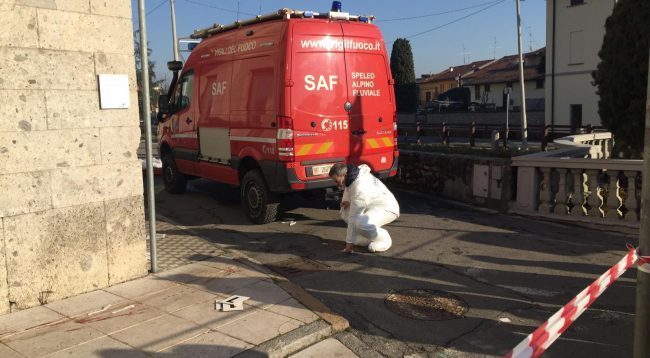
156, 87
622, 75
401, 64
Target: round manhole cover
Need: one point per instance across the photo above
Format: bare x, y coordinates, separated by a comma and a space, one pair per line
430, 305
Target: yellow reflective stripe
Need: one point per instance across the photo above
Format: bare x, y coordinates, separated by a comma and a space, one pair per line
304, 150
373, 143
324, 148
387, 141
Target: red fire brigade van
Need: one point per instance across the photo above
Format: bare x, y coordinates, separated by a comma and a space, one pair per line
270, 104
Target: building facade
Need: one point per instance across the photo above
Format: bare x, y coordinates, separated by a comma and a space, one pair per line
430, 86
574, 35
71, 203
487, 86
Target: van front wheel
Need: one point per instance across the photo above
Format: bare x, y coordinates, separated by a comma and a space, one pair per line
175, 181
259, 204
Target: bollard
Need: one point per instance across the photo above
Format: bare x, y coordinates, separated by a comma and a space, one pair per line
545, 137
418, 133
495, 139
445, 133
472, 134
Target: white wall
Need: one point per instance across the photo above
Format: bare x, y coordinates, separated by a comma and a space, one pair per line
496, 93
573, 75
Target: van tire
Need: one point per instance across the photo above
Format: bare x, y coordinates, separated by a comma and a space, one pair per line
175, 181
259, 204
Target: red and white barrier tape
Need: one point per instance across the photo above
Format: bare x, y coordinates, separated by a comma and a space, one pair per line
539, 341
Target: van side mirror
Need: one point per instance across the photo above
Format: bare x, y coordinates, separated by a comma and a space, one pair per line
163, 107
175, 66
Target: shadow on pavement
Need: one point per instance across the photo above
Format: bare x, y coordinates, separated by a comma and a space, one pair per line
513, 272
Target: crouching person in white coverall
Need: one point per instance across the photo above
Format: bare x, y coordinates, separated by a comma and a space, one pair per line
367, 205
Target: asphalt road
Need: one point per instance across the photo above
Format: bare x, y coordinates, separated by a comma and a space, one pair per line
512, 272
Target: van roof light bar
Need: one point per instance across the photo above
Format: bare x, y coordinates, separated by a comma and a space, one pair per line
277, 15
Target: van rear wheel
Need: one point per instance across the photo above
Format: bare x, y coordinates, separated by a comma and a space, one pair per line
175, 181
259, 204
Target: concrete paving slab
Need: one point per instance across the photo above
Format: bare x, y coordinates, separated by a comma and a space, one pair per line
160, 333
294, 309
85, 303
6, 352
17, 322
263, 294
208, 345
234, 266
120, 317
51, 339
101, 348
260, 327
176, 298
327, 348
140, 287
190, 273
225, 284
205, 315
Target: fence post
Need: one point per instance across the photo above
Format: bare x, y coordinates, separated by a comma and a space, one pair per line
545, 137
642, 317
472, 134
445, 133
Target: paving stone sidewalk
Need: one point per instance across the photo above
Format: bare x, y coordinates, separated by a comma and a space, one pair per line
172, 313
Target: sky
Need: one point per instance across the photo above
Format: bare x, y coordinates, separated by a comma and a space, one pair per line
442, 33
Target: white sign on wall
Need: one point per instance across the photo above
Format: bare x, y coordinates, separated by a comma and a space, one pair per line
114, 91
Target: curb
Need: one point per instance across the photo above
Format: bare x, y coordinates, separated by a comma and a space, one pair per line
291, 342
335, 322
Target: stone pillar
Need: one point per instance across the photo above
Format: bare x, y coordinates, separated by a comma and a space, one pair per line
631, 203
593, 202
561, 196
545, 193
614, 203
579, 195
527, 188
71, 206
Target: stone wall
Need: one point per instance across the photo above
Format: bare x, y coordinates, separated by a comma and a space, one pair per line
453, 177
71, 204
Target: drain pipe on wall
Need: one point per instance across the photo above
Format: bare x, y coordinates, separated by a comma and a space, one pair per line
146, 115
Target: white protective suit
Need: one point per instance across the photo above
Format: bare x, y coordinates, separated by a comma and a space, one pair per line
372, 206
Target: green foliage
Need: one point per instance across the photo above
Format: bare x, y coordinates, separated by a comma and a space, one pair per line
401, 64
622, 74
156, 87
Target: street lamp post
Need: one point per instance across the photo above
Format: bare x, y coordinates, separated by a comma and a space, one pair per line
524, 125
146, 116
642, 320
507, 133
174, 39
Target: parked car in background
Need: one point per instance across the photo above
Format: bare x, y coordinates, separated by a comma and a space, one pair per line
455, 99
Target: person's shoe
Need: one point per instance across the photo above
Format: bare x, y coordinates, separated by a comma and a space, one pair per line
382, 242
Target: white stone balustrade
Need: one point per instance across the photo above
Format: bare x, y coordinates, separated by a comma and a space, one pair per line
578, 182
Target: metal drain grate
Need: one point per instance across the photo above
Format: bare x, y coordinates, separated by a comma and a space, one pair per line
428, 305
297, 266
